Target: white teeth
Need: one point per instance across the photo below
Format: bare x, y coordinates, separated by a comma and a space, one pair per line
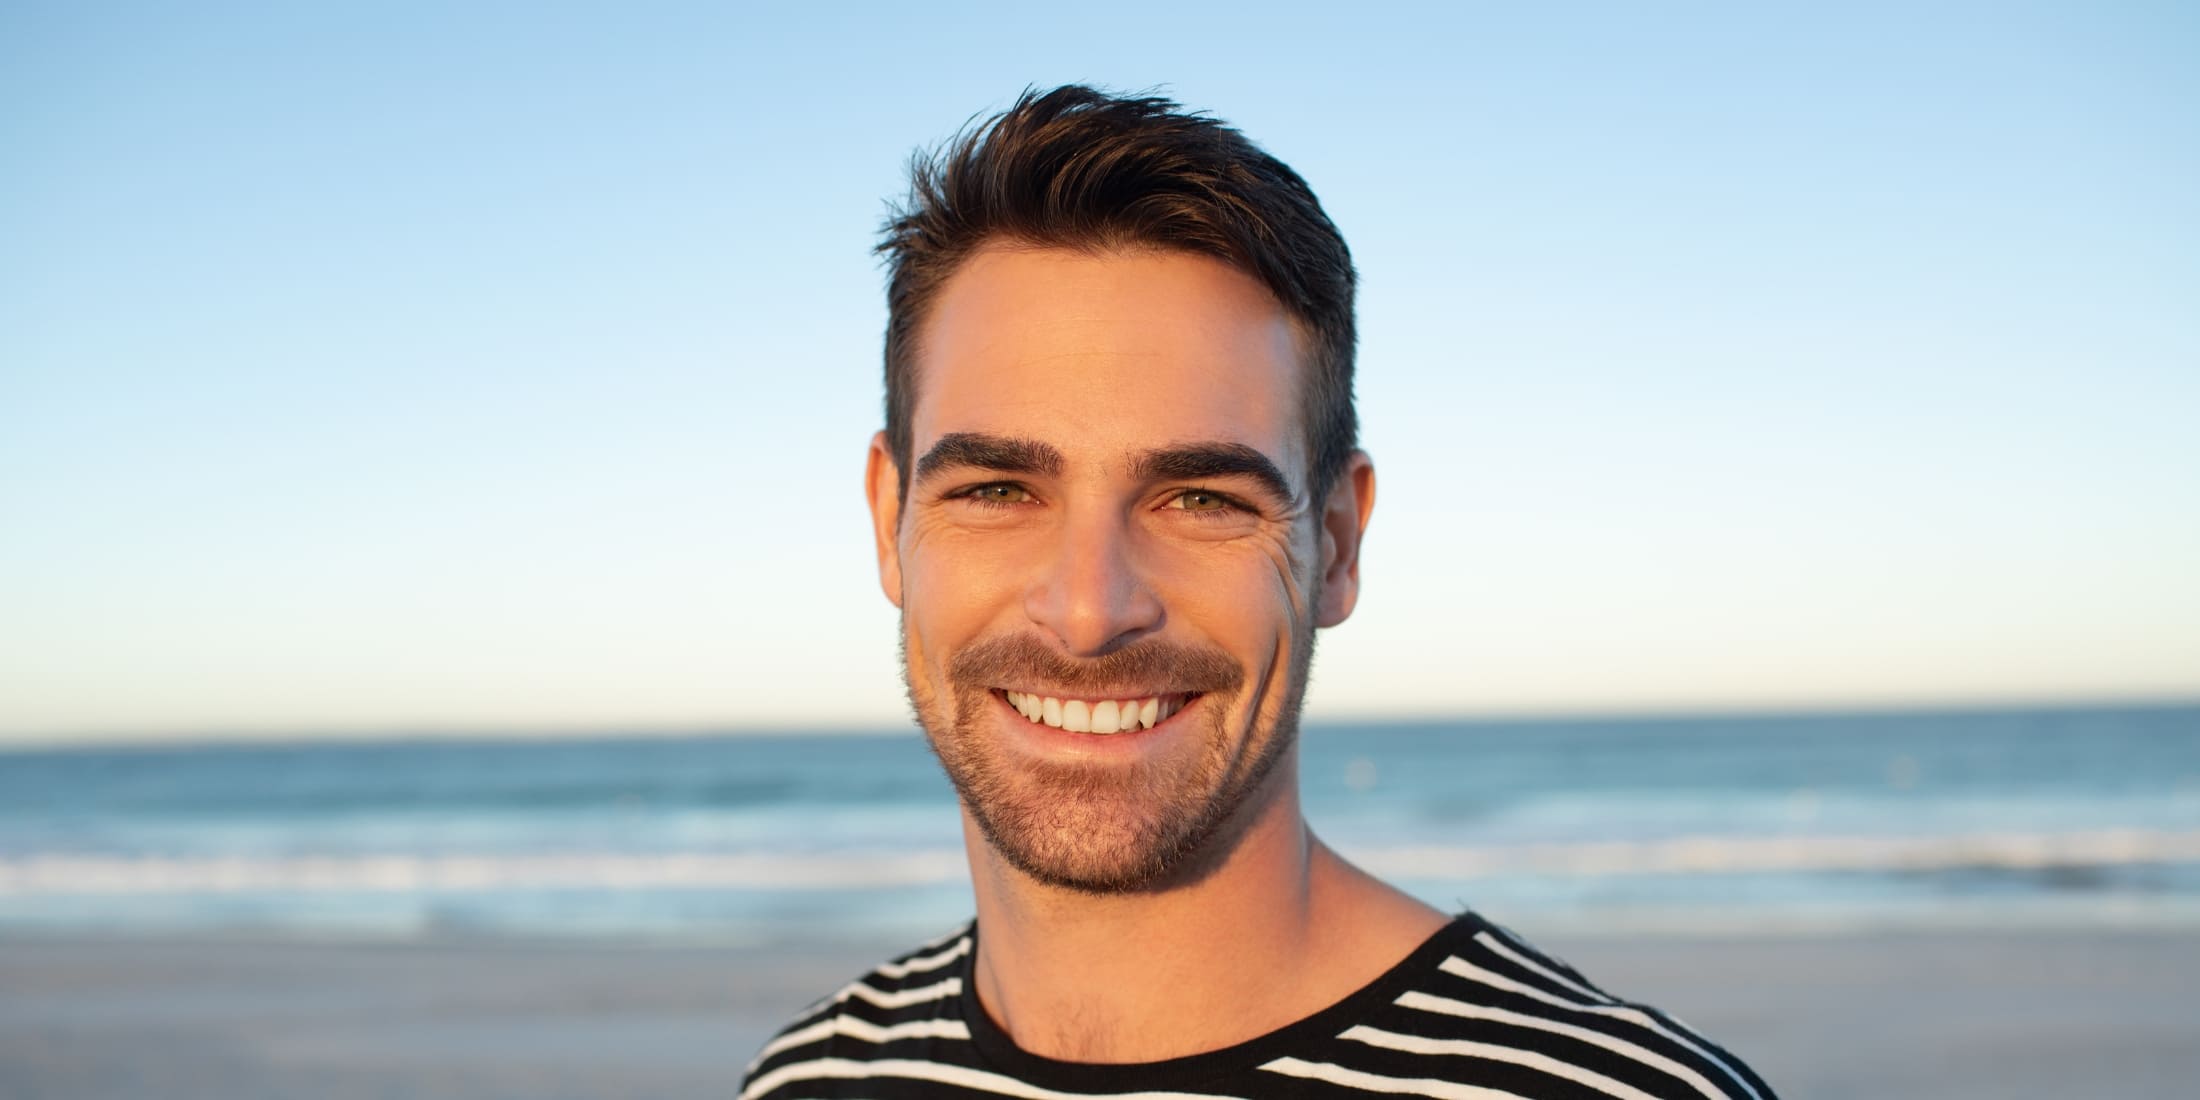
1106, 716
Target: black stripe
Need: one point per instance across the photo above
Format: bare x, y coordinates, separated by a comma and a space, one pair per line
1456, 988
1459, 1070
1489, 959
1513, 940
1722, 1077
1572, 1051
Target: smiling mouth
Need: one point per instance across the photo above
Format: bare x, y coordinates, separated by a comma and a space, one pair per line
1104, 716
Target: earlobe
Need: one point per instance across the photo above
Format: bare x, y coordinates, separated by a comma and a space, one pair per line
882, 487
1343, 525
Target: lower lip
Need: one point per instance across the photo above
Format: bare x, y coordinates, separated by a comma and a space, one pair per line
1054, 740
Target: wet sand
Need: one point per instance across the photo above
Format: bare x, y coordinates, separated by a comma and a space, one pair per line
1942, 1014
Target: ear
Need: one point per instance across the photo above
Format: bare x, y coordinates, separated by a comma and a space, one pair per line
882, 485
1343, 523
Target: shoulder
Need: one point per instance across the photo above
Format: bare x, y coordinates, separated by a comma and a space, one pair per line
1483, 1002
900, 1009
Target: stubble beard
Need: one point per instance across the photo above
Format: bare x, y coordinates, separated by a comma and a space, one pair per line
1108, 829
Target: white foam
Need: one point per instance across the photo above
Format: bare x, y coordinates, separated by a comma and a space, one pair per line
69, 874
54, 874
1744, 854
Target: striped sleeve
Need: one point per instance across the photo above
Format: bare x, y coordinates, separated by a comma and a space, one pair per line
903, 1010
1497, 1018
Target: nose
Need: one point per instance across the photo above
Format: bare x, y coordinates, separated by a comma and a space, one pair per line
1093, 595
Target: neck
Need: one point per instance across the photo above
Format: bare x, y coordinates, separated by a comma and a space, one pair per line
1276, 929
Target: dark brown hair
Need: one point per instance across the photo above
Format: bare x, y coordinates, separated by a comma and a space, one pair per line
1079, 168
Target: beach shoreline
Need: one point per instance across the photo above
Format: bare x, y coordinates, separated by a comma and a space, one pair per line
1945, 1013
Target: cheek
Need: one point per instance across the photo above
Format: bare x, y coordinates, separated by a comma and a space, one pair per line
949, 578
1246, 594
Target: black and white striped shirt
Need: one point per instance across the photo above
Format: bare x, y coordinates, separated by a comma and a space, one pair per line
1473, 1013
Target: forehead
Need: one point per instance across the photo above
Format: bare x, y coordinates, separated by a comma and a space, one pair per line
1107, 353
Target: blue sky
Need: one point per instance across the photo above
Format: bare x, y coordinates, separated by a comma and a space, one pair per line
390, 367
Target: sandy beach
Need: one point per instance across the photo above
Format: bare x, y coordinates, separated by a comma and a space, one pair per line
1942, 1014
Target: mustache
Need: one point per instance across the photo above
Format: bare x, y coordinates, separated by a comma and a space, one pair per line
1023, 661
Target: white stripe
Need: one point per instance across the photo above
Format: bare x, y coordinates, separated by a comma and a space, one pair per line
1448, 1007
1414, 1044
1464, 969
937, 942
888, 970
866, 1031
903, 998
844, 1069
1564, 982
924, 962
1356, 1079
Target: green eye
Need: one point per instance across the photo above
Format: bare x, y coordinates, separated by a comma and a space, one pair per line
1200, 500
1001, 493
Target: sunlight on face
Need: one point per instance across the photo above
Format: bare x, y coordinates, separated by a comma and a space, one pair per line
1108, 505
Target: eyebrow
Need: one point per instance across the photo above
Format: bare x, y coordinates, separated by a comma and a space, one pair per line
1204, 461
990, 452
1182, 462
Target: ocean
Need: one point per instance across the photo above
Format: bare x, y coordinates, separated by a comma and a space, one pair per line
2075, 817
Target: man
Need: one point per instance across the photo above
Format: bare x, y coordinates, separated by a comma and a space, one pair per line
1116, 495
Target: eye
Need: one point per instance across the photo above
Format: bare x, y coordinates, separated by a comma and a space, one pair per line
998, 493
1201, 500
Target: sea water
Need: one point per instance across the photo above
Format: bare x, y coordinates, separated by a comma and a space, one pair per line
2063, 817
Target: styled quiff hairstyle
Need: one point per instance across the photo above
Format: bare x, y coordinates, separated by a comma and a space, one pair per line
1079, 168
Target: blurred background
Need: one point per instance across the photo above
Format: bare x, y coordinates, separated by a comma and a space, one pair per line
431, 545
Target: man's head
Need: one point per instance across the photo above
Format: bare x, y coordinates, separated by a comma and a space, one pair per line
1080, 170
1118, 491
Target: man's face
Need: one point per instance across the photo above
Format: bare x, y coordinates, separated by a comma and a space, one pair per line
1108, 560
